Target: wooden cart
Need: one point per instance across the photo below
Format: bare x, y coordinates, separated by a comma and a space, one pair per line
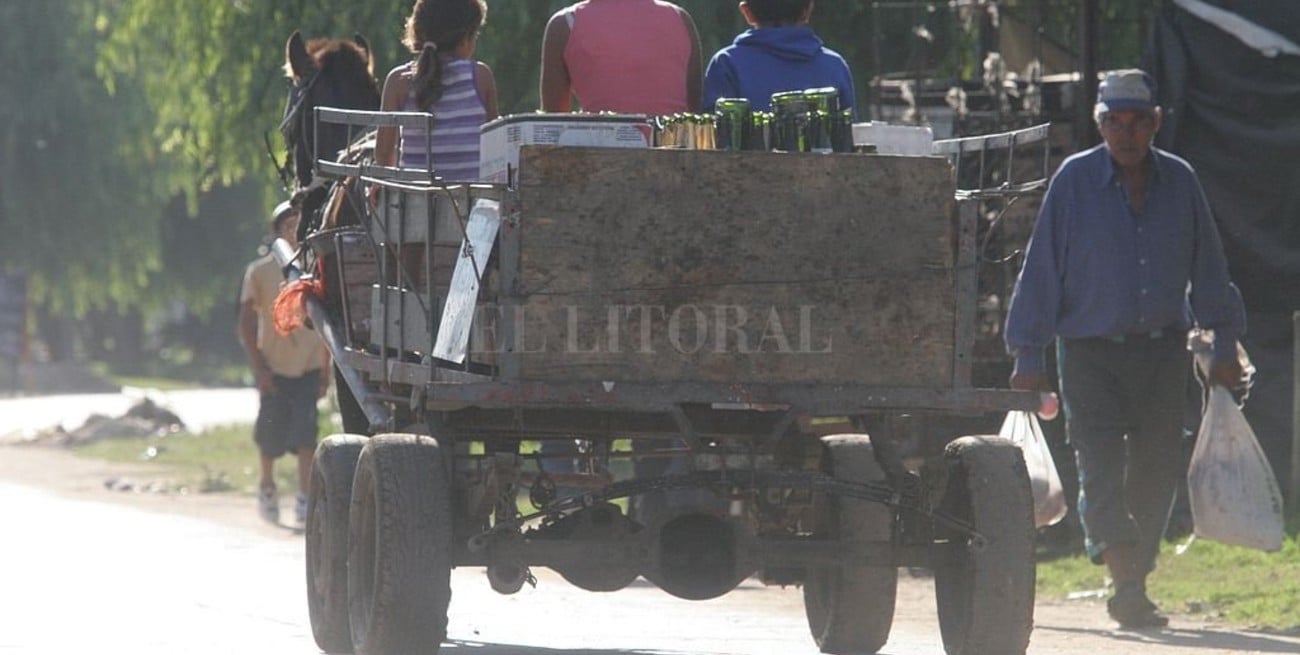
690, 366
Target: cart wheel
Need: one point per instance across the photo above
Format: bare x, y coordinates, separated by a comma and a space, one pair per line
851, 608
399, 546
327, 540
985, 592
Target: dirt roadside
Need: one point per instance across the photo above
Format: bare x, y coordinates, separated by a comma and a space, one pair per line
1061, 628
58, 470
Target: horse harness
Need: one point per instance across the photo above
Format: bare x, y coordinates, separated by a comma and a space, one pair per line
292, 125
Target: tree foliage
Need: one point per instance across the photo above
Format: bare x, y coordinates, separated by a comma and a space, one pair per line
75, 194
213, 73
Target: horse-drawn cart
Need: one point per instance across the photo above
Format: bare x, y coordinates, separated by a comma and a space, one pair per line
704, 339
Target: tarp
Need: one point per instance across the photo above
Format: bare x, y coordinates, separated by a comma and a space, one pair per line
1228, 75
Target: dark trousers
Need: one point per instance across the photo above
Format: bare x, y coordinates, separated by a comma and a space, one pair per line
1123, 402
287, 418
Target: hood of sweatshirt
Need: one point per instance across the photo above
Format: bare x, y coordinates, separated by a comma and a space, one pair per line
793, 43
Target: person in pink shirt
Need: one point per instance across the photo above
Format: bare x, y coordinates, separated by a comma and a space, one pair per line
628, 57
625, 56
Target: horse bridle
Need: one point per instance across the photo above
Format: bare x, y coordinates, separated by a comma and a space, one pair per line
293, 125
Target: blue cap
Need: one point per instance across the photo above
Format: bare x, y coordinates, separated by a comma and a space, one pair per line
1126, 89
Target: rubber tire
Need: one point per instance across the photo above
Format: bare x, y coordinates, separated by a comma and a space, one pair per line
328, 503
851, 609
986, 595
399, 546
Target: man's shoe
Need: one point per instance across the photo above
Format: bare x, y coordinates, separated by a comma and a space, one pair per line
1131, 608
300, 509
268, 503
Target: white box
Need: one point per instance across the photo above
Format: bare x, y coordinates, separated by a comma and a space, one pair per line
888, 139
500, 139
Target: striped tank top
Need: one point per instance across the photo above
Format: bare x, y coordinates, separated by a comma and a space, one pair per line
457, 115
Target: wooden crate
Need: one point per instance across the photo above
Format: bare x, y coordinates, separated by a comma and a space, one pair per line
679, 265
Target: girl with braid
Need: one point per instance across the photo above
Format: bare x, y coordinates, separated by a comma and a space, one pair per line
443, 80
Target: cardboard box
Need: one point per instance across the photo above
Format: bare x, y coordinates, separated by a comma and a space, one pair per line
501, 139
894, 139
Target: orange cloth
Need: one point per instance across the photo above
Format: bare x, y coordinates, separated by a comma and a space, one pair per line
290, 309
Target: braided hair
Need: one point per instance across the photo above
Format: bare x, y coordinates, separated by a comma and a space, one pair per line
438, 26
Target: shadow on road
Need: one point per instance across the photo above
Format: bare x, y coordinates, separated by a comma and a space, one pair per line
1205, 639
453, 646
482, 648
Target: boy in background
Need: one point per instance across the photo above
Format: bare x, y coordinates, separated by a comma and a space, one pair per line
779, 52
290, 371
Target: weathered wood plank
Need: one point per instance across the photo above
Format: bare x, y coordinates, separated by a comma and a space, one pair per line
849, 258
817, 332
611, 219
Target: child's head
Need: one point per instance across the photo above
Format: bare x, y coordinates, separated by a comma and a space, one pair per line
444, 23
284, 222
774, 13
439, 28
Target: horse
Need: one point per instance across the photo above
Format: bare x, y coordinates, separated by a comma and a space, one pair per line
335, 73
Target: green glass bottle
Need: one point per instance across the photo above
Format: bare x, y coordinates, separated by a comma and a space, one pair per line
733, 123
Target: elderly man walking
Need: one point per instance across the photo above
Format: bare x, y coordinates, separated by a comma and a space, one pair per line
1124, 259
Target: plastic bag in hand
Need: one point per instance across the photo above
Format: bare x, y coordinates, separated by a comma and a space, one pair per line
1022, 429
1234, 496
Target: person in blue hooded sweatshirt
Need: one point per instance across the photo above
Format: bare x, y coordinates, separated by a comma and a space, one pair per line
779, 52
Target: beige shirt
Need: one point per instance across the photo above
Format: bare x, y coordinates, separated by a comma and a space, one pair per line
293, 355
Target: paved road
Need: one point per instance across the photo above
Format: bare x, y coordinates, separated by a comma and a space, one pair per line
102, 578
81, 575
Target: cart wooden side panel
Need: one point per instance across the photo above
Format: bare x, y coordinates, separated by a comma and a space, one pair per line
704, 266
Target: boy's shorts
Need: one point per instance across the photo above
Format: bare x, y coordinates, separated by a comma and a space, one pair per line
287, 418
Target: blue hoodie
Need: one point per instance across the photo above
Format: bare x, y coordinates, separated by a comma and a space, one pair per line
769, 60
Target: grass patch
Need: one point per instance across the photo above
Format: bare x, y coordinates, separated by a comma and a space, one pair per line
161, 384
219, 460
156, 373
224, 459
1208, 580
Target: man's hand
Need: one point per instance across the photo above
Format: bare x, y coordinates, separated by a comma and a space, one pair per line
265, 381
1036, 381
1227, 373
324, 387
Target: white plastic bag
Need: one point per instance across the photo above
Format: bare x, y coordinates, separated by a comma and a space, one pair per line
1022, 429
1234, 496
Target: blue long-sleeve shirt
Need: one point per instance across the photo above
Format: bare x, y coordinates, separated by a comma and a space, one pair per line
1094, 268
768, 60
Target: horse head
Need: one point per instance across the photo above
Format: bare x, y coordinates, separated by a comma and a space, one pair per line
324, 73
